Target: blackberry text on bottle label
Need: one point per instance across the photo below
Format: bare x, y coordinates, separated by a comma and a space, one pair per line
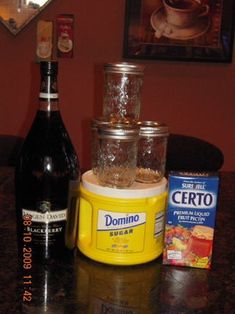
49, 225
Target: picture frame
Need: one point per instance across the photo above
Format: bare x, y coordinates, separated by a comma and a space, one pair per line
154, 31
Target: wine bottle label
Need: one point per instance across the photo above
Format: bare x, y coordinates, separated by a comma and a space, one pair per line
47, 227
47, 217
49, 95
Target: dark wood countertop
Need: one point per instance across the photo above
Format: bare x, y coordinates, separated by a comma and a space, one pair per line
79, 285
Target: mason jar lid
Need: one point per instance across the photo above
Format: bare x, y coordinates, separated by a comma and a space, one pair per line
153, 128
120, 131
124, 67
99, 121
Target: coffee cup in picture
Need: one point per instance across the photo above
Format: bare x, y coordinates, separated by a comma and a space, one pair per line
184, 13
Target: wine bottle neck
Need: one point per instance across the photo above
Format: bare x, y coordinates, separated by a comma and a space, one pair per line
48, 96
48, 105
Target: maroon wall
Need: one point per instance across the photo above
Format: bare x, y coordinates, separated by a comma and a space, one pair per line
195, 99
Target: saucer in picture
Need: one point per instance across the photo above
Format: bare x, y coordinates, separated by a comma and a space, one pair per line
162, 28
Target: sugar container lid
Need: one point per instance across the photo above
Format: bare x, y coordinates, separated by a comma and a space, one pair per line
136, 191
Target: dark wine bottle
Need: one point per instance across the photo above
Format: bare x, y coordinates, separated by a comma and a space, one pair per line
47, 174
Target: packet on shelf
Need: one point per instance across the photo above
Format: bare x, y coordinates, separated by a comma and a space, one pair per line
65, 35
190, 219
44, 40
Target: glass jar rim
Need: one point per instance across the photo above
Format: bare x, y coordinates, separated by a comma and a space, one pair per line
96, 122
119, 131
124, 67
153, 128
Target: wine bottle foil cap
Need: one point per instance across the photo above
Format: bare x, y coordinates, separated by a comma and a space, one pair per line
124, 67
49, 67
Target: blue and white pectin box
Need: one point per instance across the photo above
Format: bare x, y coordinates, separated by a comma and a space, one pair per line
190, 219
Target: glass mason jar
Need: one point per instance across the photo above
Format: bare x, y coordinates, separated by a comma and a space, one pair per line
95, 124
122, 89
117, 155
151, 156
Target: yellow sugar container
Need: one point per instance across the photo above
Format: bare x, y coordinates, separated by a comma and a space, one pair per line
121, 226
